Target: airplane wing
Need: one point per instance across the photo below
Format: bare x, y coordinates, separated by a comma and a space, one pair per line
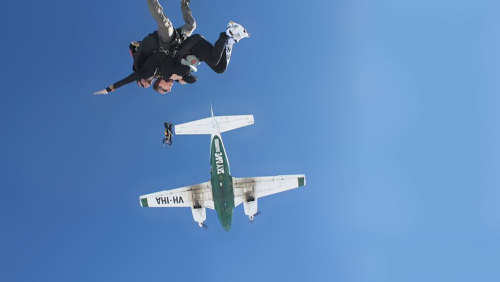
198, 195
205, 126
227, 123
259, 187
201, 126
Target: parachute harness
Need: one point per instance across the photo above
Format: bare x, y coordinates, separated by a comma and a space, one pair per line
178, 49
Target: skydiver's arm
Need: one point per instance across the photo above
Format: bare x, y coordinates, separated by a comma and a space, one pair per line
145, 83
145, 72
171, 69
148, 70
190, 25
132, 77
177, 78
188, 78
165, 27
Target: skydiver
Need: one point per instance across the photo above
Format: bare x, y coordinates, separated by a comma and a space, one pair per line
142, 50
170, 55
168, 133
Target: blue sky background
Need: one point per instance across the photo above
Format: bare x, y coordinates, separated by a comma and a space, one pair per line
389, 107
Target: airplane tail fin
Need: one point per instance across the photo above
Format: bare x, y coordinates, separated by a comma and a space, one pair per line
214, 124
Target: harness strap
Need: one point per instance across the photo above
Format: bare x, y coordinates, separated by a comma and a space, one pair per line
186, 45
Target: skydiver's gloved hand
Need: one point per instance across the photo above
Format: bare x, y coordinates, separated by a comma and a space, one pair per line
105, 91
183, 80
101, 92
144, 83
175, 77
190, 79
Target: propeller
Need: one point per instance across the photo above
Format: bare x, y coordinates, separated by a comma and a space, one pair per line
202, 225
252, 217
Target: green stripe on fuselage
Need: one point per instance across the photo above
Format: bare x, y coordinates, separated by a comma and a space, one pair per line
222, 183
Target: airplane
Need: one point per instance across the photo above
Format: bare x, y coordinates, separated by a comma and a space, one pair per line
222, 192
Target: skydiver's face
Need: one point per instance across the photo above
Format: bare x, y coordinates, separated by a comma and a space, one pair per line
164, 86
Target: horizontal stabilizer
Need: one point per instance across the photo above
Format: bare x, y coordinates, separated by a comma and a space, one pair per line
214, 124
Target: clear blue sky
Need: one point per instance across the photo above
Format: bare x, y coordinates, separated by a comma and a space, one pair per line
389, 107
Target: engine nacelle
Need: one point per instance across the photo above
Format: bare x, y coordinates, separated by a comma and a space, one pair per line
199, 215
250, 208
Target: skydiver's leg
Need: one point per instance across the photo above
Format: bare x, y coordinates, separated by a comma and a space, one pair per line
226, 57
222, 65
209, 53
188, 28
165, 27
